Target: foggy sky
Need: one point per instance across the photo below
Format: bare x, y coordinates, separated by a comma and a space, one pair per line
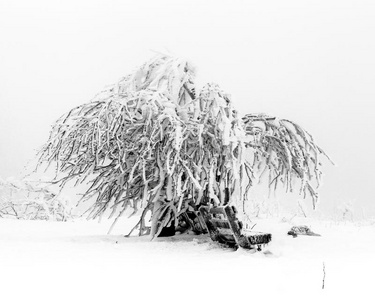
309, 61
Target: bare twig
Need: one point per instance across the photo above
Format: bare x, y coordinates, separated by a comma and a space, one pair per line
303, 211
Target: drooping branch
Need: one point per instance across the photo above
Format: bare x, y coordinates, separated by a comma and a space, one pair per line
284, 150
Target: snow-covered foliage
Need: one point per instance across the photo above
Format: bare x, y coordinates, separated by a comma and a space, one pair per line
21, 199
284, 151
150, 143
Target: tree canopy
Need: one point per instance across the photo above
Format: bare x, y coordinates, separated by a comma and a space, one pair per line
150, 142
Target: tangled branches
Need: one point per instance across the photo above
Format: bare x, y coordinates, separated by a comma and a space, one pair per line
29, 201
285, 151
150, 143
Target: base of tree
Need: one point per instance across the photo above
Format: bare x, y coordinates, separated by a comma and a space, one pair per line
224, 228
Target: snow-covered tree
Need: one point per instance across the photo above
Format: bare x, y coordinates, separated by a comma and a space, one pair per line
151, 143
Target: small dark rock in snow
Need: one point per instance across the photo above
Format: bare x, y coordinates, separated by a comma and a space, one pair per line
301, 230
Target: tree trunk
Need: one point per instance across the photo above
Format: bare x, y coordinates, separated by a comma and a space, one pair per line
155, 218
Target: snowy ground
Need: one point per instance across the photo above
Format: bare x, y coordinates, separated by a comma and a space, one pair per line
78, 260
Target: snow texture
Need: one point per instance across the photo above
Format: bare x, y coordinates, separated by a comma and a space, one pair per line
77, 260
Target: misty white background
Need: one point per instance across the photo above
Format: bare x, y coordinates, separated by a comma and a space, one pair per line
309, 61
